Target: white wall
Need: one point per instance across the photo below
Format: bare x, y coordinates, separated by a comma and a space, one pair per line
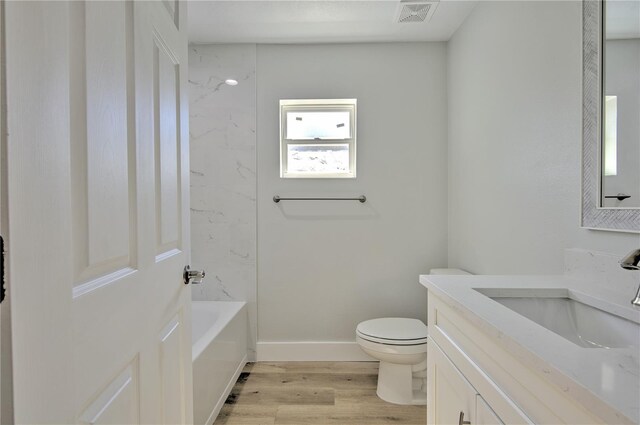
222, 126
622, 75
515, 99
325, 266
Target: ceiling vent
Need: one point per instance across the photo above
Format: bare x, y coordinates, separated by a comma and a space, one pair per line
416, 11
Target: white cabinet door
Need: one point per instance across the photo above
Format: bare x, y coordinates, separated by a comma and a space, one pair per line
484, 414
449, 395
98, 198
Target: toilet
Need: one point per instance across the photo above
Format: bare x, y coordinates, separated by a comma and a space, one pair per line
400, 344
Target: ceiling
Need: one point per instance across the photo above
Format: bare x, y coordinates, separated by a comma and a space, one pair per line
317, 21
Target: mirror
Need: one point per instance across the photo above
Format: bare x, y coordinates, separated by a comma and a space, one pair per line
620, 143
611, 115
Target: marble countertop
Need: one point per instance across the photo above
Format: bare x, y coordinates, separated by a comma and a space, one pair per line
604, 381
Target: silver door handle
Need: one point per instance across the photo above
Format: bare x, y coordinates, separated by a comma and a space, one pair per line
461, 421
192, 276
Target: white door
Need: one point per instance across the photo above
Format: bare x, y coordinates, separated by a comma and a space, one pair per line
5, 337
98, 191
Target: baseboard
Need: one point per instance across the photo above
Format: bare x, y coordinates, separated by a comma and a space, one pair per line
226, 392
310, 351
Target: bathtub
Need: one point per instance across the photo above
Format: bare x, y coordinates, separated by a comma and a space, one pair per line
219, 352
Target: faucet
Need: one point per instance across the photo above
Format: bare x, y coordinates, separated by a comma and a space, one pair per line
631, 262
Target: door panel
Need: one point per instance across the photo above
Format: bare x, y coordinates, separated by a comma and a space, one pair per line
102, 143
166, 80
449, 392
171, 371
108, 33
173, 11
117, 404
97, 203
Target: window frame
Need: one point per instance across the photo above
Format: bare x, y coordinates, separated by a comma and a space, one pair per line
318, 105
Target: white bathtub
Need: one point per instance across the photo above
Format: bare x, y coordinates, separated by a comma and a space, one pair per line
219, 337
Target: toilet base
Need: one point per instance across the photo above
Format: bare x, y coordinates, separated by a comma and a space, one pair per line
402, 383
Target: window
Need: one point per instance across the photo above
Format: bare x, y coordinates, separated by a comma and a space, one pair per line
611, 135
318, 138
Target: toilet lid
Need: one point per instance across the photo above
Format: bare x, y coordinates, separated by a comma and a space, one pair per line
393, 330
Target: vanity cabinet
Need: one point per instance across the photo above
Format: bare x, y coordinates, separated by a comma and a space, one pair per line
484, 414
452, 394
470, 371
453, 399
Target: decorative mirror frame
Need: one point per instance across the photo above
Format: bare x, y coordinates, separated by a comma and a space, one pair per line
593, 215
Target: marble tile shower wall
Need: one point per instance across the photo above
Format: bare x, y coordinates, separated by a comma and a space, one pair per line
222, 123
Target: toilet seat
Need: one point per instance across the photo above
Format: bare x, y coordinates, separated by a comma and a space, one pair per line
392, 349
393, 331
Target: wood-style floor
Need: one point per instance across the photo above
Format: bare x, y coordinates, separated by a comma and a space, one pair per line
306, 393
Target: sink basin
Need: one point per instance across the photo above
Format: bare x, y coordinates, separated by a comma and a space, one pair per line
559, 311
